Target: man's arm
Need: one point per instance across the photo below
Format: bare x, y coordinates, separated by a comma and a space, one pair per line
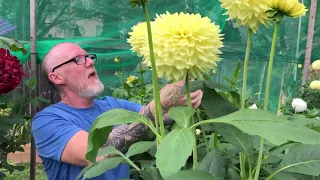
121, 137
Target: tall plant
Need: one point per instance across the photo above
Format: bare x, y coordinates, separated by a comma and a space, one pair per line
175, 148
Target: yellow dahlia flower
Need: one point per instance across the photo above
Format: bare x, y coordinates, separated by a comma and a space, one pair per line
182, 43
291, 8
138, 37
130, 79
315, 85
248, 13
316, 65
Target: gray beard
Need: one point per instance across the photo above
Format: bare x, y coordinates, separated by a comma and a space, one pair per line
86, 91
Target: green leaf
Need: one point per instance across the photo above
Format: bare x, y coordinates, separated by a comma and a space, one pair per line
303, 159
213, 111
265, 124
108, 150
34, 102
214, 164
181, 115
43, 99
83, 171
242, 141
192, 175
103, 125
302, 120
150, 172
233, 174
174, 150
102, 167
13, 45
139, 147
120, 93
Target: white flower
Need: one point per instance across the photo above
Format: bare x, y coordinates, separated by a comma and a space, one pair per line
299, 105
253, 106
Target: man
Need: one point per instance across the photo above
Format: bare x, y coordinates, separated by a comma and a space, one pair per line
61, 130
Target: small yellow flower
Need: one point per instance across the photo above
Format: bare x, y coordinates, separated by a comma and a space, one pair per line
316, 65
130, 79
291, 8
117, 59
198, 132
249, 13
315, 85
182, 43
299, 66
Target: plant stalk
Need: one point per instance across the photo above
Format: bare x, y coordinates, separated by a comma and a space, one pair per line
132, 164
245, 69
242, 159
195, 154
267, 93
215, 140
205, 140
156, 90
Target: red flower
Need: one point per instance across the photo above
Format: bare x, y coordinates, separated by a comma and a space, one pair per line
10, 71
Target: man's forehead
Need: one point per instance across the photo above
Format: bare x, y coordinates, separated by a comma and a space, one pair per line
68, 51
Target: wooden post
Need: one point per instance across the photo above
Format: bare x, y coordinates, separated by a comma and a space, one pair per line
307, 60
34, 72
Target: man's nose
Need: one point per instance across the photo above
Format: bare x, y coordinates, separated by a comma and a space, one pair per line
89, 62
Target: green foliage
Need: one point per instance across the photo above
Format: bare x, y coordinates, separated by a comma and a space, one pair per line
215, 164
303, 159
13, 45
174, 151
191, 175
138, 90
103, 125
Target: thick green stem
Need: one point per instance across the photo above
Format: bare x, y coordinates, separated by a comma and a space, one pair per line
242, 159
245, 70
195, 154
158, 108
268, 84
267, 93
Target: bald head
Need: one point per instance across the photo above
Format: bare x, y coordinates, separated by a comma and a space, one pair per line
59, 54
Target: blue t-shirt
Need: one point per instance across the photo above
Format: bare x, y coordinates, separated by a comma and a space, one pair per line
53, 127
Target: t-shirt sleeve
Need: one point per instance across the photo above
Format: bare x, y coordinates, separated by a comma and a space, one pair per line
51, 134
124, 104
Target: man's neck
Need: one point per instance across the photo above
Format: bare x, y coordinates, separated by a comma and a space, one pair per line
76, 101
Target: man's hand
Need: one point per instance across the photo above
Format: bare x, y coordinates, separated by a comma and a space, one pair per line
170, 96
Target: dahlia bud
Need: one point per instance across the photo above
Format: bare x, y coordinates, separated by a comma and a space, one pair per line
198, 132
316, 65
315, 85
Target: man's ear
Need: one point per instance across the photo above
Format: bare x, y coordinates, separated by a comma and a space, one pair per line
55, 79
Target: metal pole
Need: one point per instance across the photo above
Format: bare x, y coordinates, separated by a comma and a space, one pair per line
34, 72
307, 60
